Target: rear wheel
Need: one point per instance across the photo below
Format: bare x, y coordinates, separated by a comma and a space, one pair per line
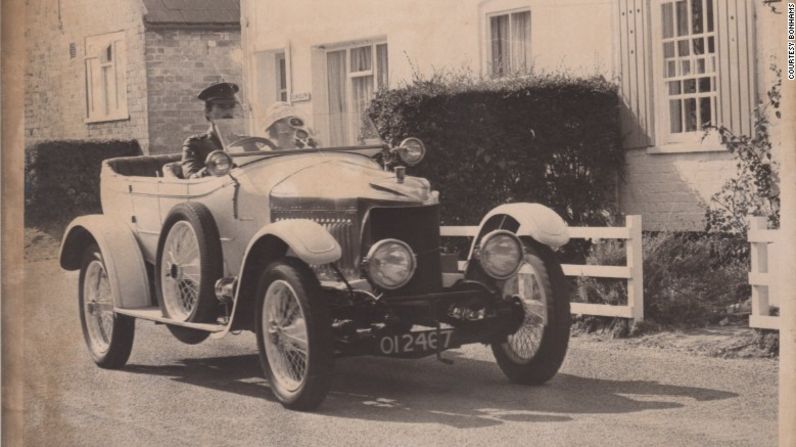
108, 335
534, 353
294, 334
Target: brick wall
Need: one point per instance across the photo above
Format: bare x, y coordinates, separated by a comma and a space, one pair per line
55, 96
180, 63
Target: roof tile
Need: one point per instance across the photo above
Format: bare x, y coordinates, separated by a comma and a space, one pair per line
192, 12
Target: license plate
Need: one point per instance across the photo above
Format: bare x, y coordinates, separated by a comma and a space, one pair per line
415, 342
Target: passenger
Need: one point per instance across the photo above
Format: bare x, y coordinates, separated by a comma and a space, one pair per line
220, 104
285, 128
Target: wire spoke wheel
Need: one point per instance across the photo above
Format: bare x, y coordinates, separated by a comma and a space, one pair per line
98, 307
535, 351
180, 272
294, 334
108, 335
524, 344
189, 262
285, 330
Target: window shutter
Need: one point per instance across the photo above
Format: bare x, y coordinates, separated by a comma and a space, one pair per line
735, 28
96, 94
635, 113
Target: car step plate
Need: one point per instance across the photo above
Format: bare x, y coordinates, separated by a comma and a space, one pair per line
155, 314
414, 343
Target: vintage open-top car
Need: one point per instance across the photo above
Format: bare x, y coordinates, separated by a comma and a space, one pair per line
323, 253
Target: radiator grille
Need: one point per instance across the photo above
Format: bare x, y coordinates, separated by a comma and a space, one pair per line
344, 227
418, 226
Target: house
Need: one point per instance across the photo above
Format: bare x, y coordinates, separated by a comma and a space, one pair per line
126, 69
679, 65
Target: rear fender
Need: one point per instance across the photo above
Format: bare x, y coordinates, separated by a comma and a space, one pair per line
120, 251
530, 219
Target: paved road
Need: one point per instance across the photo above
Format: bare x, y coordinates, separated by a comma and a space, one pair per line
213, 394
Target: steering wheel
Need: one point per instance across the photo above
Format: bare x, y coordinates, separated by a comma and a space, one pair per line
252, 144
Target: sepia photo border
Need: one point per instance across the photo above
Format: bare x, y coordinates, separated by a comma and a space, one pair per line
12, 15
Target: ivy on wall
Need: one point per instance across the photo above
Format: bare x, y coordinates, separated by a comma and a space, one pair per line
754, 190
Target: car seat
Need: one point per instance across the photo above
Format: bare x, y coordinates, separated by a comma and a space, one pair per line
173, 170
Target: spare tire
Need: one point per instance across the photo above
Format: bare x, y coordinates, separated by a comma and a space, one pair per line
189, 262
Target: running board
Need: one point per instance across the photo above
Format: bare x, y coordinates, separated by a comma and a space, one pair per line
154, 314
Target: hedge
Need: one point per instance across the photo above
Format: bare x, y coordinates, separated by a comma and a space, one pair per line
553, 140
62, 177
690, 279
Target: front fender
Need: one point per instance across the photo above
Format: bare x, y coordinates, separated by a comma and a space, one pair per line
308, 241
120, 251
301, 238
534, 220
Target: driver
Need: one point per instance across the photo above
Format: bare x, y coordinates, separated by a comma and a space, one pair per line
220, 103
286, 128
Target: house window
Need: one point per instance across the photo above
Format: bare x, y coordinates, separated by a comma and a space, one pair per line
271, 83
509, 43
353, 73
686, 75
281, 77
106, 81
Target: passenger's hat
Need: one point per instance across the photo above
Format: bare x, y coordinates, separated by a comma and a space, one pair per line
278, 111
220, 91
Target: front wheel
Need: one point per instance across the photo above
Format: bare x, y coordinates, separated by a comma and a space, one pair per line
534, 353
108, 335
294, 334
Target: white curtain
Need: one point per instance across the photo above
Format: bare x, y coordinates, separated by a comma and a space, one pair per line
682, 18
362, 92
382, 67
667, 16
336, 75
348, 102
520, 41
361, 59
499, 30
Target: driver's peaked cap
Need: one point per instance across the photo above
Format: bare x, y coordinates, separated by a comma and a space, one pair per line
222, 91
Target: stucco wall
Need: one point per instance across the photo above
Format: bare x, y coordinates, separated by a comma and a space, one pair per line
55, 96
426, 36
179, 64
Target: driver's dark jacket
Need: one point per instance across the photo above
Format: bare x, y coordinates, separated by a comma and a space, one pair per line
195, 150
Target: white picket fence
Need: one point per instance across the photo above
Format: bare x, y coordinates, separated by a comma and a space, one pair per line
632, 272
763, 245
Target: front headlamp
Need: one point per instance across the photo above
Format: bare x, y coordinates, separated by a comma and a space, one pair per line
218, 163
412, 151
390, 263
500, 254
